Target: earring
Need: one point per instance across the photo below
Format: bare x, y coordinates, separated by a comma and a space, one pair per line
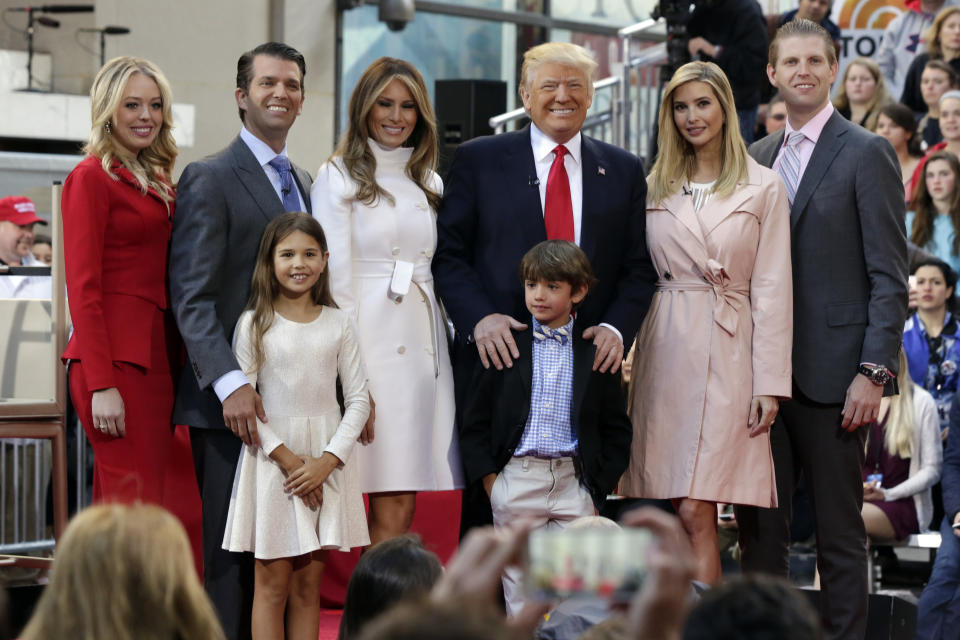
108, 127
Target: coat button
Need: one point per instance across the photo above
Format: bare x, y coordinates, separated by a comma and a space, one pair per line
401, 349
395, 251
428, 253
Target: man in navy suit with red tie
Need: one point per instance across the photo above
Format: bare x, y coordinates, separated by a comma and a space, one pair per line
506, 193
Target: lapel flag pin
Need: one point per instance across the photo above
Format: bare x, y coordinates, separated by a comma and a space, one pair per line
601, 171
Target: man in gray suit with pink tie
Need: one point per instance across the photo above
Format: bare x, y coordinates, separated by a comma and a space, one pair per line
850, 301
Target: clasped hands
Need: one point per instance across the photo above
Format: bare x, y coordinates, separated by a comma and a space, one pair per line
496, 346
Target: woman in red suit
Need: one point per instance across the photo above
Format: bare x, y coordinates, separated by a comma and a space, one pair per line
117, 207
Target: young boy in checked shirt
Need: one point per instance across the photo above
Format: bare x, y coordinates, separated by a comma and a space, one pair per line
549, 437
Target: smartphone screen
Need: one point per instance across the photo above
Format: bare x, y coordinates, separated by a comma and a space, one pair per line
609, 563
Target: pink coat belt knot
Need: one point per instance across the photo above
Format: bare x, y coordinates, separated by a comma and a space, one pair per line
729, 296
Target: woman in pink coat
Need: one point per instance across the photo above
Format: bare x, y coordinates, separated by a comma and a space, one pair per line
713, 355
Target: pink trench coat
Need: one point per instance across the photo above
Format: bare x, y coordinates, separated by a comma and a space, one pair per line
719, 331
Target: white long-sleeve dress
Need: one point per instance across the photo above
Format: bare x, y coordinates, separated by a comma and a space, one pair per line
297, 384
403, 342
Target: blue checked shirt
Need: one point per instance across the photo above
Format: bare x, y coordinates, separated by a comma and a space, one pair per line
548, 432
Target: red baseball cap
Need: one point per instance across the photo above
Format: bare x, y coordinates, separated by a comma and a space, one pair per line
19, 211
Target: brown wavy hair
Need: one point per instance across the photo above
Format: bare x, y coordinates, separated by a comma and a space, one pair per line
124, 572
924, 212
264, 287
354, 150
932, 34
153, 167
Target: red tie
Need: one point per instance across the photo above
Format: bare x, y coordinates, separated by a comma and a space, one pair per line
558, 214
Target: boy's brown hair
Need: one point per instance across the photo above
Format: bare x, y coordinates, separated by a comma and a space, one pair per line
558, 261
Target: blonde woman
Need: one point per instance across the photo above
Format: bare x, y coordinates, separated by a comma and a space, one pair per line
942, 40
713, 357
117, 209
377, 198
124, 572
903, 459
862, 93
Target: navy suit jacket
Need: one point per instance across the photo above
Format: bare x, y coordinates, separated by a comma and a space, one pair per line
491, 216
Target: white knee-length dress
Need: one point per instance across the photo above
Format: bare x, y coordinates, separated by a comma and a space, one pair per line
297, 384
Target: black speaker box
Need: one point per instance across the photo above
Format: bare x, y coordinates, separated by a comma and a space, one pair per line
464, 108
888, 617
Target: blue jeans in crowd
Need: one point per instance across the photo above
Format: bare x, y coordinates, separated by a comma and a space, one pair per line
938, 611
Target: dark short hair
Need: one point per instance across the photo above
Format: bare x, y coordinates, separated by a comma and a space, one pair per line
557, 261
42, 238
273, 49
949, 275
392, 571
902, 116
802, 27
940, 65
757, 607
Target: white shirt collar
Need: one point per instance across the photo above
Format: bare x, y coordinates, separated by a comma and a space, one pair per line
543, 146
261, 150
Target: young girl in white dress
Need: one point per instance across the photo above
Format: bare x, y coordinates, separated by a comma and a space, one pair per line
297, 494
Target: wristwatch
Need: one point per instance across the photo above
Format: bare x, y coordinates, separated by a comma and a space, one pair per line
876, 373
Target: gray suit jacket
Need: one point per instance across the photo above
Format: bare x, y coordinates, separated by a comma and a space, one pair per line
849, 258
224, 202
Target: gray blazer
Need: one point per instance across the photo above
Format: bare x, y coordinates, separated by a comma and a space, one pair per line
849, 258
224, 202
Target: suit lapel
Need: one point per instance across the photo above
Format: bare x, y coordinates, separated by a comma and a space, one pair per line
826, 149
583, 354
591, 161
680, 205
524, 340
520, 184
767, 153
254, 179
304, 182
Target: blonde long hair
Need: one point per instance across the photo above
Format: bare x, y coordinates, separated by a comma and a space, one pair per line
264, 287
355, 151
676, 160
153, 167
880, 94
124, 572
901, 419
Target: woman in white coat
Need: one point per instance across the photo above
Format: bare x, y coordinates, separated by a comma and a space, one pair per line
377, 198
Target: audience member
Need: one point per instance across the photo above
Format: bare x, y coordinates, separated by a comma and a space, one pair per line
506, 193
442, 620
733, 34
938, 78
931, 336
753, 607
376, 198
776, 115
901, 41
847, 230
896, 123
124, 352
938, 609
862, 93
17, 219
42, 249
225, 202
393, 571
710, 385
124, 572
942, 40
543, 451
934, 215
818, 11
902, 462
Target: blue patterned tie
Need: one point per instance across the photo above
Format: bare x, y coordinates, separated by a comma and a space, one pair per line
546, 333
789, 167
287, 187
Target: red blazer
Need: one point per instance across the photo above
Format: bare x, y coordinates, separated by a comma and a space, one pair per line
115, 242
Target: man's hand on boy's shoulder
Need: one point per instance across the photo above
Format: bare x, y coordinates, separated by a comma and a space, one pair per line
494, 338
609, 346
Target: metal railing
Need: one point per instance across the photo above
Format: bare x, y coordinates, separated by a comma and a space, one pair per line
619, 114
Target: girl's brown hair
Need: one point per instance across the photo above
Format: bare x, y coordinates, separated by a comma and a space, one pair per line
357, 157
264, 287
924, 212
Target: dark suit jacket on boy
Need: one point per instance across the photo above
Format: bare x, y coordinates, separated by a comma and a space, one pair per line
498, 405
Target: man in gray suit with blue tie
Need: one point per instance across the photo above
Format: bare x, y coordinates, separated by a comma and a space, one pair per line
850, 300
224, 202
